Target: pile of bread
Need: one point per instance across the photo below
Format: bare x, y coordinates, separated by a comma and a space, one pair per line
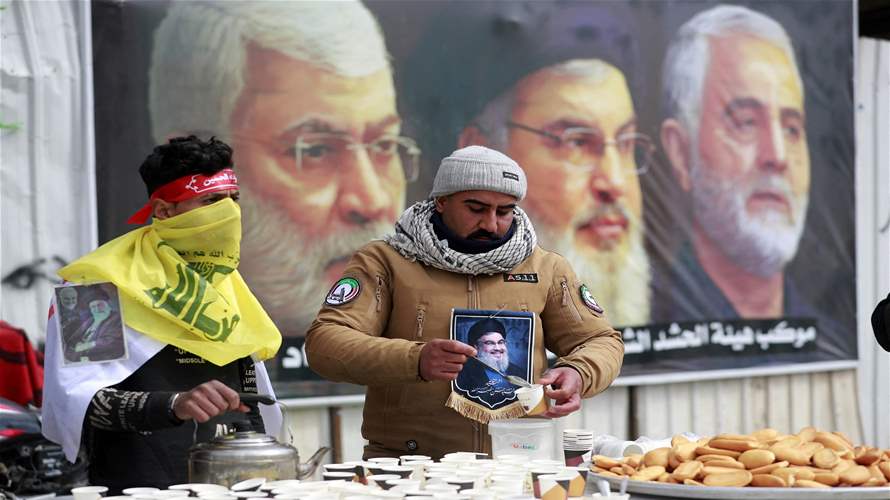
809, 459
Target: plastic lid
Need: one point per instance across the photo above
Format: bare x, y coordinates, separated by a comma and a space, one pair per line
521, 423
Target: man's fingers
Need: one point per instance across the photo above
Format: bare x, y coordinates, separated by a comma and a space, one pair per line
454, 346
560, 392
459, 359
567, 407
215, 398
194, 410
229, 394
448, 369
206, 405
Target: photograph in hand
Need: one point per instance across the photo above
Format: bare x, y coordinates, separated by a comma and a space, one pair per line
503, 341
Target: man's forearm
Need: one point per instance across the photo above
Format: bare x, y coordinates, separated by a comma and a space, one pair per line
341, 354
598, 361
130, 411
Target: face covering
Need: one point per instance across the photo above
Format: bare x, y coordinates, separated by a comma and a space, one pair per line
178, 283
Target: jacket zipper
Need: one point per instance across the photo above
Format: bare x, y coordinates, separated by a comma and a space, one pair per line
378, 293
473, 303
471, 292
567, 301
421, 313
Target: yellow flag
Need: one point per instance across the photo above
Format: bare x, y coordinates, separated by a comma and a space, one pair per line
178, 284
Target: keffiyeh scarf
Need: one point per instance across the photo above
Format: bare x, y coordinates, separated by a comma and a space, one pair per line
416, 240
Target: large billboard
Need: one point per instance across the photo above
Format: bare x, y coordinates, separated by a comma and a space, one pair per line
693, 160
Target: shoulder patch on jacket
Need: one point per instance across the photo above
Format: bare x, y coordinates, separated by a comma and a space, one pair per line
344, 291
589, 301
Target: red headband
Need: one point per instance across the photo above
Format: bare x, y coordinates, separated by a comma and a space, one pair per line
186, 188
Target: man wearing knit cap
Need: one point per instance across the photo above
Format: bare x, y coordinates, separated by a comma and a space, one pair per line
385, 324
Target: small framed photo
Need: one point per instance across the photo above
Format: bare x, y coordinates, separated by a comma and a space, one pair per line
89, 322
504, 342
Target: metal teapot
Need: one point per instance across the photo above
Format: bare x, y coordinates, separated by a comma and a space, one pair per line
243, 453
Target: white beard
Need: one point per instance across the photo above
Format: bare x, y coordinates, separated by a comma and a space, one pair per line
501, 364
285, 270
761, 244
619, 283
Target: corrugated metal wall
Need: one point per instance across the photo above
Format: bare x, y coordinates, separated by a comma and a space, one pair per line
872, 234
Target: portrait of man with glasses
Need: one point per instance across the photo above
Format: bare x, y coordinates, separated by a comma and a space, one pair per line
573, 128
305, 95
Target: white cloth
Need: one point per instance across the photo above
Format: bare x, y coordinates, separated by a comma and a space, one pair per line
68, 390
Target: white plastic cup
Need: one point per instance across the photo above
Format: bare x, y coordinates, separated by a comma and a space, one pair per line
379, 480
140, 491
479, 494
248, 494
384, 460
171, 493
200, 489
400, 470
417, 493
413, 458
515, 484
336, 475
403, 485
88, 492
281, 483
442, 488
462, 483
614, 449
533, 400
304, 488
644, 445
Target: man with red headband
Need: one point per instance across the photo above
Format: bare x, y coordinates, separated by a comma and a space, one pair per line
195, 334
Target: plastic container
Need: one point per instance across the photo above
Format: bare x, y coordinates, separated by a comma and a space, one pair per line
526, 436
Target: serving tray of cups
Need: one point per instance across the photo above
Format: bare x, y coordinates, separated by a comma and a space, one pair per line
666, 490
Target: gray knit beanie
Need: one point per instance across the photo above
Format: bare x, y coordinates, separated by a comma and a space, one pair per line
479, 168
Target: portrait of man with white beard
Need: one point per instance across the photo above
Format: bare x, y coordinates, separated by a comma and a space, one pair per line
737, 141
317, 137
573, 128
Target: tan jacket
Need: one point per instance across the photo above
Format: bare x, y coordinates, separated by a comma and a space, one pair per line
375, 340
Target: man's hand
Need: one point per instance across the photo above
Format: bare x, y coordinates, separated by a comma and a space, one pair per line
443, 359
565, 391
207, 401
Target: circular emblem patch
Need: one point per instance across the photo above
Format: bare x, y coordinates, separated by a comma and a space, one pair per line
344, 291
589, 301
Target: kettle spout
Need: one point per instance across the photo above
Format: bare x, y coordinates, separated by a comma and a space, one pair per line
305, 470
